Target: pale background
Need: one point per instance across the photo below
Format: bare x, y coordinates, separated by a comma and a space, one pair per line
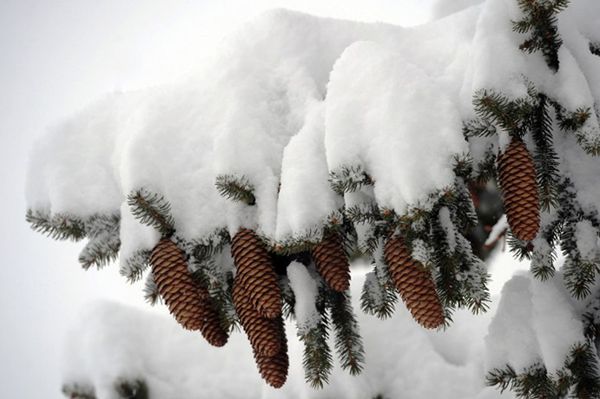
55, 57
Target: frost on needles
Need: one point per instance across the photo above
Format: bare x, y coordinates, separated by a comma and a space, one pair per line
325, 141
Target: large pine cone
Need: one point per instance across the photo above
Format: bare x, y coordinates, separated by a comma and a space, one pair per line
263, 333
187, 301
414, 283
332, 263
255, 273
519, 190
274, 369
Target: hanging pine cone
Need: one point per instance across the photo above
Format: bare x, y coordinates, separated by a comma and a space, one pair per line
263, 333
274, 369
414, 283
332, 263
187, 301
255, 273
516, 172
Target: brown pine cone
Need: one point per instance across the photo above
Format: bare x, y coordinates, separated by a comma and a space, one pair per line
188, 302
255, 273
516, 172
263, 333
274, 369
414, 283
331, 262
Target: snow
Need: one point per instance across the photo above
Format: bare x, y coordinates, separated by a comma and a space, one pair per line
305, 291
586, 237
448, 226
497, 230
535, 322
113, 340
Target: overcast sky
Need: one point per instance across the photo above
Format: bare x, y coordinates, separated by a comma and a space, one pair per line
55, 57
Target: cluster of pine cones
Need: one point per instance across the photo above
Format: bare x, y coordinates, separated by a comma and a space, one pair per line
257, 295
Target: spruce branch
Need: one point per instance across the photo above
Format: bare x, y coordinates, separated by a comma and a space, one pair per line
78, 391
317, 358
348, 343
151, 294
153, 210
348, 179
58, 226
595, 48
104, 241
236, 188
134, 267
131, 389
545, 157
511, 115
540, 22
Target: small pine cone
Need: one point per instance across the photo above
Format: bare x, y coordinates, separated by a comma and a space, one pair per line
256, 274
274, 369
263, 333
188, 302
332, 263
414, 283
516, 172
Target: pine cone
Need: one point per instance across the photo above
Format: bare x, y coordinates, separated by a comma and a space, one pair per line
263, 333
255, 273
187, 301
332, 263
519, 190
274, 369
414, 283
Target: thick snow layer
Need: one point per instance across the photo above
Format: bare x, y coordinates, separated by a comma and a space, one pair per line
255, 112
390, 100
305, 291
114, 341
535, 322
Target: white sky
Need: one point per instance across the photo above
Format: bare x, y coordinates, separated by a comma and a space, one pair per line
55, 57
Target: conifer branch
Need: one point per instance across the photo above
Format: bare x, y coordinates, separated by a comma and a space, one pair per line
152, 210
541, 22
348, 179
236, 188
104, 241
151, 294
595, 48
317, 359
134, 267
545, 157
58, 226
348, 343
131, 389
78, 391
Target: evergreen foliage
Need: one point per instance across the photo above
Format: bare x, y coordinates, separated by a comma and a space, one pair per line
349, 179
104, 241
58, 226
78, 391
134, 267
151, 290
218, 283
317, 359
236, 188
540, 22
595, 48
134, 389
153, 210
579, 378
378, 295
348, 343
